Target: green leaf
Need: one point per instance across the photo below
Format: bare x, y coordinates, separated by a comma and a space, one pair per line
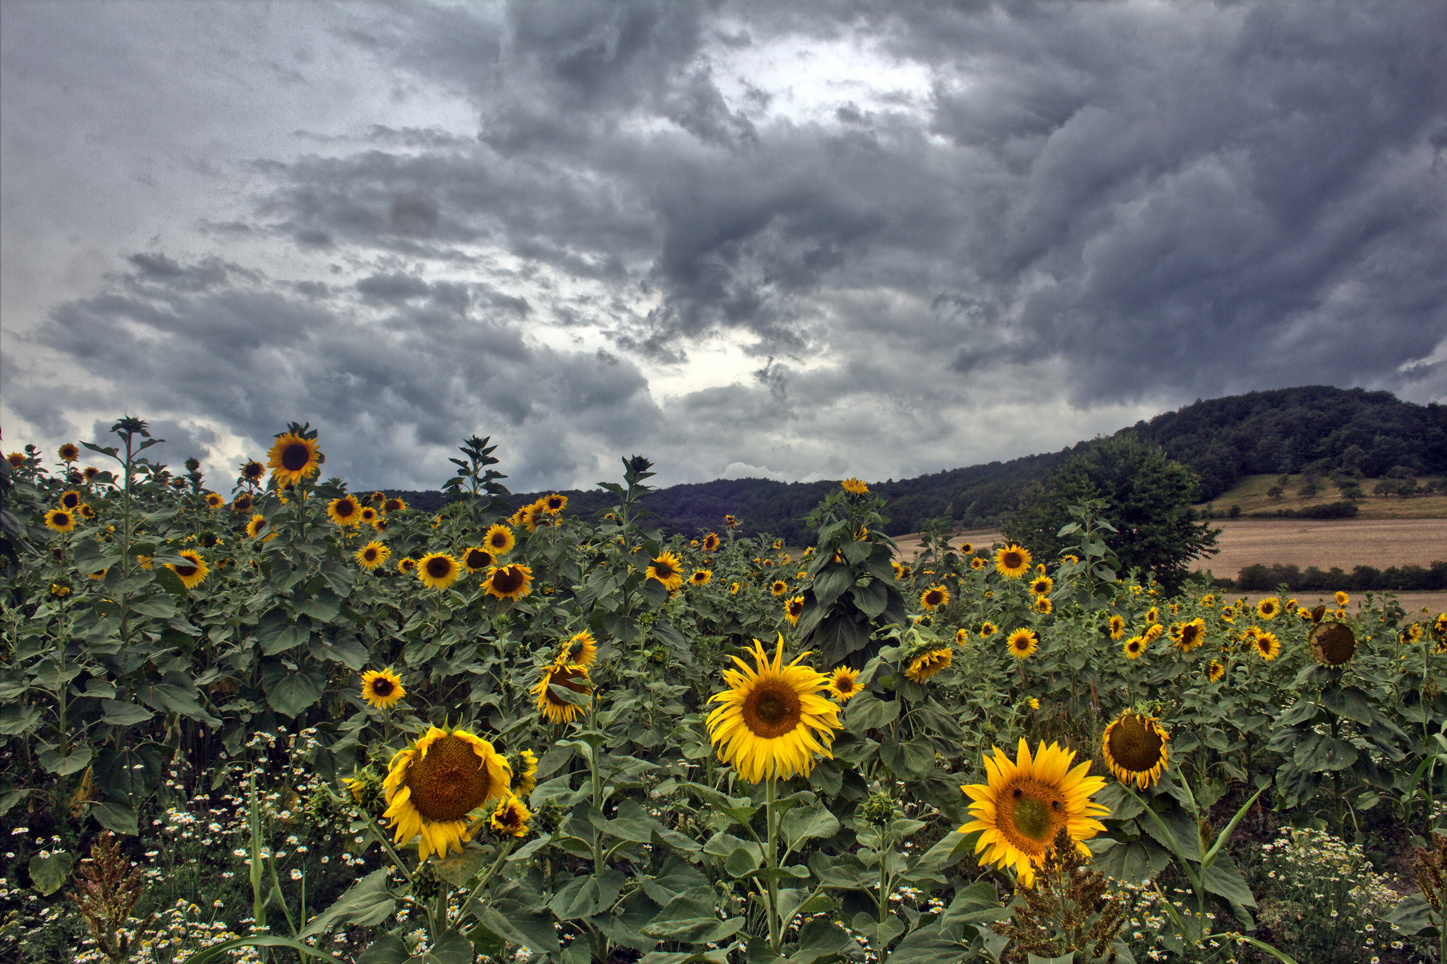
124, 714
117, 818
808, 823
907, 760
587, 895
1224, 879
366, 903
277, 632
512, 922
387, 949
160, 607
1129, 860
692, 917
819, 938
458, 868
1350, 703
872, 597
1299, 712
49, 874
866, 712
65, 764
880, 933
830, 584
290, 693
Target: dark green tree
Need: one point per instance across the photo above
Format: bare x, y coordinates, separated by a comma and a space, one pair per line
1148, 501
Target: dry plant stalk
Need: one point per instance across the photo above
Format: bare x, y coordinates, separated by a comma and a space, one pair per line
1430, 869
1070, 908
107, 889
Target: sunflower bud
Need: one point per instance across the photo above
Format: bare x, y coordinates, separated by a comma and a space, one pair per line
878, 809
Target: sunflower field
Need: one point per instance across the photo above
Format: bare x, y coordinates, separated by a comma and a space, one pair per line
270, 719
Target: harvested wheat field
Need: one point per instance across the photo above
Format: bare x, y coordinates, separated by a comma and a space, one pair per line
1344, 543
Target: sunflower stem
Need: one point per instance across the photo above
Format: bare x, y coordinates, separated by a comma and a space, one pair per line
771, 855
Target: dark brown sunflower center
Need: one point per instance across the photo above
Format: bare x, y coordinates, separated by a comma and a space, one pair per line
391, 505
844, 685
1333, 643
477, 558
1134, 645
1029, 813
772, 709
571, 679
1136, 745
1012, 560
510, 820
664, 569
62, 518
439, 568
555, 505
1022, 643
369, 554
185, 572
448, 782
508, 579
70, 500
934, 597
796, 607
497, 540
346, 509
295, 457
253, 470
382, 687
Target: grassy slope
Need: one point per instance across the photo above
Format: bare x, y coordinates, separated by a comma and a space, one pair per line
1250, 495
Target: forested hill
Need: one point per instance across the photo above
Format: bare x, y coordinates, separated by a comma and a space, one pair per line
1311, 429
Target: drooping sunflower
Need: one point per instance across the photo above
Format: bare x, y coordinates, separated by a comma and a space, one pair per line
394, 504
580, 649
1042, 605
711, 542
372, 555
1268, 608
292, 458
843, 684
510, 818
1332, 643
345, 511
1134, 647
436, 782
988, 629
1023, 643
382, 688
793, 609
243, 503
962, 637
86, 512
574, 679
508, 582
928, 663
772, 720
1268, 646
1187, 636
60, 520
256, 526
1024, 803
701, 577
1135, 750
193, 572
17, 460
252, 471
499, 539
69, 452
734, 589
1215, 671
1117, 626
526, 773
666, 568
438, 570
1012, 561
933, 598
855, 487
476, 559
730, 522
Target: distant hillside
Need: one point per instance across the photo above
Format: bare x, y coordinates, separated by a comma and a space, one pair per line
1316, 431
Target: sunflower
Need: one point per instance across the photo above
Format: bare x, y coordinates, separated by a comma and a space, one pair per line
382, 688
528, 778
394, 504
1152, 615
438, 570
711, 542
1134, 746
667, 570
476, 559
1333, 643
581, 649
555, 503
928, 663
531, 516
1012, 561
988, 629
372, 555
772, 720
962, 637
292, 458
1117, 626
69, 452
1042, 605
843, 684
701, 577
1268, 608
1154, 632
252, 471
60, 520
214, 501
86, 512
1187, 636
499, 539
368, 516
1023, 643
193, 571
345, 511
508, 582
1268, 646
1342, 598
59, 590
1041, 585
1024, 803
70, 500
406, 564
978, 562
934, 597
733, 589
242, 504
436, 782
1134, 647
1215, 671
256, 526
730, 521
511, 817
855, 487
966, 548
793, 609
898, 571
572, 678
17, 460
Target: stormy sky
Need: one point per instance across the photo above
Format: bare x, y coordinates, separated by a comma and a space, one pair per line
784, 240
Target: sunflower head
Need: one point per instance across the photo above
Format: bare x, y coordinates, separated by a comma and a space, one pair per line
666, 568
793, 609
256, 526
730, 522
1042, 605
368, 516
710, 542
962, 637
1025, 802
928, 663
843, 684
394, 504
1134, 647
773, 720
580, 649
1267, 645
434, 784
293, 458
69, 452
1135, 749
1041, 585
407, 565
1332, 643
438, 570
345, 511
933, 598
61, 520
476, 559
701, 577
252, 471
510, 818
855, 487
372, 555
1342, 598
382, 688
508, 582
1012, 561
1215, 671
988, 629
193, 571
1268, 608
499, 539
242, 504
1187, 636
70, 500
1022, 643
562, 683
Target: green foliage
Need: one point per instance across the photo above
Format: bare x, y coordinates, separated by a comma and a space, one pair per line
1148, 504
